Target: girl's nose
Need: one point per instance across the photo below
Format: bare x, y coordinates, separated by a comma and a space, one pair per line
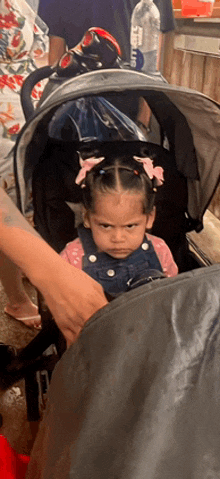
117, 236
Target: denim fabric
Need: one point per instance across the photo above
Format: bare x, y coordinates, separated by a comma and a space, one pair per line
113, 274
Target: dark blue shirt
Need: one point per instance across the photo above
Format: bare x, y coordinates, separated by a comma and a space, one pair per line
70, 19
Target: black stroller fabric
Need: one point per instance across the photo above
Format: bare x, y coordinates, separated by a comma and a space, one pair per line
54, 186
137, 396
75, 125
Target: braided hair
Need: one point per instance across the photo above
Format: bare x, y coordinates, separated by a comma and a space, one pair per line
118, 174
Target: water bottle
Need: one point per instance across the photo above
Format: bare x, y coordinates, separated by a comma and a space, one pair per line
144, 39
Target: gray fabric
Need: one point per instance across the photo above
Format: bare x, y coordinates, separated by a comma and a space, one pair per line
203, 118
137, 397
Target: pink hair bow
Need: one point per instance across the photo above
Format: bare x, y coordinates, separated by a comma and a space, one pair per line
86, 165
153, 172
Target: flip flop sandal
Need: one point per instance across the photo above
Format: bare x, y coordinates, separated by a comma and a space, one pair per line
37, 317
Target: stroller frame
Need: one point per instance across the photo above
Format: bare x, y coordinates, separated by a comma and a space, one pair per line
172, 107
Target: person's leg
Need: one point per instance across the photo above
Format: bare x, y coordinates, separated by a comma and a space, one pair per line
19, 305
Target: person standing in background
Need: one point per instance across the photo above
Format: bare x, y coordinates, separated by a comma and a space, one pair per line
68, 21
22, 42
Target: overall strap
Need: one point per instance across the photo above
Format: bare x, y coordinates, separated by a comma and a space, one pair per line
86, 239
151, 255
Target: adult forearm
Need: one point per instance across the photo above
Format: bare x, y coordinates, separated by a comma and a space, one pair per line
16, 233
28, 251
57, 47
71, 295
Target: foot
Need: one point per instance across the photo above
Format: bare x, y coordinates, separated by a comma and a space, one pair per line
26, 312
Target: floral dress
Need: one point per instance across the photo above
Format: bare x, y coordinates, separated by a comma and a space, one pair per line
22, 42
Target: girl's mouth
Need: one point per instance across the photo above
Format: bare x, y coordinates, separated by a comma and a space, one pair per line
123, 252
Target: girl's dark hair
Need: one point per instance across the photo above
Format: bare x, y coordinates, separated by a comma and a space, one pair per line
118, 174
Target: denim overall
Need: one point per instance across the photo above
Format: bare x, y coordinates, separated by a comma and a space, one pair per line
115, 275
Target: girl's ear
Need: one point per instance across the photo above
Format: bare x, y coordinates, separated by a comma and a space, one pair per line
150, 218
85, 216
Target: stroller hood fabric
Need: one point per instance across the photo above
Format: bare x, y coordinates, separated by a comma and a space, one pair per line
137, 396
189, 120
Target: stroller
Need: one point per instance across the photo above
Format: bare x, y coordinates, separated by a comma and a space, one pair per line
90, 104
184, 139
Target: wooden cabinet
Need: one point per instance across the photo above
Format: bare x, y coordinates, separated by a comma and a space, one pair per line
196, 70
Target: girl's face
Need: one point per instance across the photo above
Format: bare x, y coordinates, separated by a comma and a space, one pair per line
118, 223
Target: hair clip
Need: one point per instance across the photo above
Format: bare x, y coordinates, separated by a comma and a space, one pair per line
101, 172
136, 172
151, 171
86, 166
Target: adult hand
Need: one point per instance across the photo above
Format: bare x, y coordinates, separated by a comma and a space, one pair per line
72, 297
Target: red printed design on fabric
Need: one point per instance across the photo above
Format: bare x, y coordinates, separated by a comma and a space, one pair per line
8, 21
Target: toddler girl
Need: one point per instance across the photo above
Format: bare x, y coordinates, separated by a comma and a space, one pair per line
118, 208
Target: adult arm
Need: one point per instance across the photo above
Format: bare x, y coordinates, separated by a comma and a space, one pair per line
51, 12
167, 23
57, 47
71, 295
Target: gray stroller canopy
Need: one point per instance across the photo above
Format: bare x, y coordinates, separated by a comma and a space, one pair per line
190, 121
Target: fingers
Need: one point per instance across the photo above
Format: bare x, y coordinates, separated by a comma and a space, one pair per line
73, 300
69, 336
71, 322
71, 332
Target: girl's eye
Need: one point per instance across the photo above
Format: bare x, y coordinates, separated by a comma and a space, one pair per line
130, 227
105, 226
